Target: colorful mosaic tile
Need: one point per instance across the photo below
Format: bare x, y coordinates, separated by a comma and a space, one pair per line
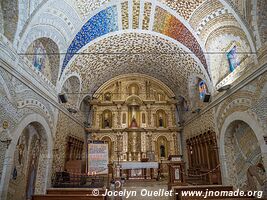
169, 25
104, 22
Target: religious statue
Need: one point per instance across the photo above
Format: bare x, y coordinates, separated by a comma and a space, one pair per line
107, 120
162, 151
106, 123
160, 121
134, 115
39, 57
133, 123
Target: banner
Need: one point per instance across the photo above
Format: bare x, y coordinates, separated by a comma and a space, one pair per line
97, 158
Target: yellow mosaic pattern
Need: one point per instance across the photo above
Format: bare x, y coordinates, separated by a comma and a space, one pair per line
125, 15
146, 15
183, 7
136, 13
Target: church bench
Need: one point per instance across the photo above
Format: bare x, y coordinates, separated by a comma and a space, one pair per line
66, 197
73, 191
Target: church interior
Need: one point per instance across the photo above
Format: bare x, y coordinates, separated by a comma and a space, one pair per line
116, 95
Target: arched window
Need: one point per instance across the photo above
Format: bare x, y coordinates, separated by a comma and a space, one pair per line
202, 89
232, 59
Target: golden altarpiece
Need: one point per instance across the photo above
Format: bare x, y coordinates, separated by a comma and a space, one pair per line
135, 115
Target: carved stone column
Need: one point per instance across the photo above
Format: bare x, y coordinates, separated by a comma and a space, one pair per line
119, 115
149, 115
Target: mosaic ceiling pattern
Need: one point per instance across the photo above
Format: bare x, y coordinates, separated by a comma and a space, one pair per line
100, 24
140, 53
106, 21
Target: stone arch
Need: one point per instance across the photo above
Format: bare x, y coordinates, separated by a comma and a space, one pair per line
10, 12
44, 54
255, 127
72, 87
45, 158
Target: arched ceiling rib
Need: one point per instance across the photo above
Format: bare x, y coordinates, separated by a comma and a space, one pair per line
107, 21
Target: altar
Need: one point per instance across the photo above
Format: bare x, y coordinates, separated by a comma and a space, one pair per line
139, 170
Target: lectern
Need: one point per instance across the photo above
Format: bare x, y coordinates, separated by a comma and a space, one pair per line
176, 171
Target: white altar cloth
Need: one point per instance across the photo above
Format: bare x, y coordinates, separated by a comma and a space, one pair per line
139, 165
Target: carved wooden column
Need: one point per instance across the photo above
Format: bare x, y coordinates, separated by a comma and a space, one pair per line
202, 151
188, 147
206, 140
198, 151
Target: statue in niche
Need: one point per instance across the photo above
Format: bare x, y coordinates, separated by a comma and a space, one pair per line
133, 123
256, 177
133, 89
162, 151
106, 123
107, 120
161, 121
133, 117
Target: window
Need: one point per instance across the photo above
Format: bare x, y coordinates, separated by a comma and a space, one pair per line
232, 59
202, 89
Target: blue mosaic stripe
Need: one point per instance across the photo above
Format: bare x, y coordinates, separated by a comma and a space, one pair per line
102, 23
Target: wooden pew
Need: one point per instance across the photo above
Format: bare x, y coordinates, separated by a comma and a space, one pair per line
73, 191
70, 194
179, 189
66, 197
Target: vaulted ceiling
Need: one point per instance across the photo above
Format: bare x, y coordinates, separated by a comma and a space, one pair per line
168, 39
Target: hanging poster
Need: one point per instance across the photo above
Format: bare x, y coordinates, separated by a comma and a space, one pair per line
97, 157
